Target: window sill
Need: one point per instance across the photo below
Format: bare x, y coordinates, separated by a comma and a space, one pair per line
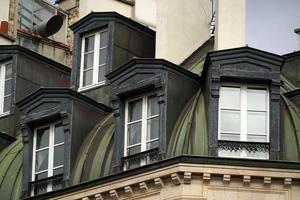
90, 87
2, 115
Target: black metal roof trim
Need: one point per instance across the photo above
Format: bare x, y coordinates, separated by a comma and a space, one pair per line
60, 92
292, 56
187, 159
17, 48
110, 16
151, 61
264, 56
292, 93
4, 138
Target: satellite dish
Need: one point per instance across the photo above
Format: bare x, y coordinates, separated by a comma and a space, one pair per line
50, 27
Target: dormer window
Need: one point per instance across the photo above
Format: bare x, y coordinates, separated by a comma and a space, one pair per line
93, 59
141, 129
48, 158
243, 118
5, 87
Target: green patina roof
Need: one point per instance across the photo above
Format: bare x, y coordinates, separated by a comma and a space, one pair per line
189, 136
11, 160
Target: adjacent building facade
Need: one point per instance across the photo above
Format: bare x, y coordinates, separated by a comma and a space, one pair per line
146, 99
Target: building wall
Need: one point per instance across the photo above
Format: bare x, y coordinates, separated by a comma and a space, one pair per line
4, 11
5, 41
230, 24
145, 12
86, 6
199, 182
181, 28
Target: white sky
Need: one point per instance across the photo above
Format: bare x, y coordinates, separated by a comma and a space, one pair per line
270, 25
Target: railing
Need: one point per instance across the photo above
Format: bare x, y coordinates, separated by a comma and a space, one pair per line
142, 158
243, 149
46, 185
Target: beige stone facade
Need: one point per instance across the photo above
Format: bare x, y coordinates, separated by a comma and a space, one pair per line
199, 182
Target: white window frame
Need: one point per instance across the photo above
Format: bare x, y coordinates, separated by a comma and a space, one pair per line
95, 82
2, 87
243, 113
144, 120
50, 148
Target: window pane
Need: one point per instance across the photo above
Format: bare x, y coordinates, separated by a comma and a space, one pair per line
257, 99
42, 139
41, 160
134, 150
152, 128
103, 39
8, 87
134, 133
152, 105
230, 97
7, 103
102, 56
8, 71
59, 134
230, 136
101, 75
89, 43
88, 61
135, 110
256, 122
58, 171
230, 121
152, 145
256, 138
134, 163
58, 155
87, 77
41, 176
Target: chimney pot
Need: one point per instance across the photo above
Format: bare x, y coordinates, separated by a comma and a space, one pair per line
4, 27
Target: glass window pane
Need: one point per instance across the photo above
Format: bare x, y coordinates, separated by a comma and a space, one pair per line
88, 61
133, 150
230, 136
135, 110
87, 77
230, 97
59, 134
256, 138
152, 106
256, 122
230, 121
42, 139
101, 75
58, 155
103, 39
102, 56
41, 160
89, 43
41, 176
134, 133
8, 71
58, 171
7, 87
257, 99
152, 145
7, 103
152, 128
134, 163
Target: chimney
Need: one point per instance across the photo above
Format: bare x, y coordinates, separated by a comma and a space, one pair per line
4, 27
297, 31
